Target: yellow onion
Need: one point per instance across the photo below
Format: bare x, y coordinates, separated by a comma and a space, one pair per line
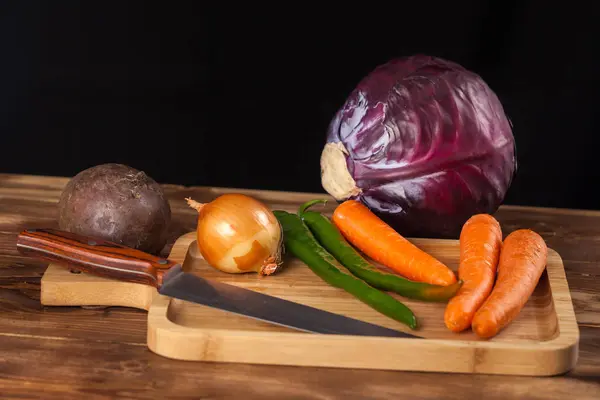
238, 234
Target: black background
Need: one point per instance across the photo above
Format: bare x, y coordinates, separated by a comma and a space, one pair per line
205, 93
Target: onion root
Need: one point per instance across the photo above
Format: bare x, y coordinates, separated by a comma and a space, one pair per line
194, 204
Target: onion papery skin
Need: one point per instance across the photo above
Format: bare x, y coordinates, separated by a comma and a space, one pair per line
239, 234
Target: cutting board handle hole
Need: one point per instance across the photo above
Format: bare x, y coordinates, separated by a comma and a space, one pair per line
74, 271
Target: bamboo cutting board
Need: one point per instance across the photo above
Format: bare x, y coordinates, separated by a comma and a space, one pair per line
543, 340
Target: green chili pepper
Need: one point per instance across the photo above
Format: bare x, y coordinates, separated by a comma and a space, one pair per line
301, 243
334, 242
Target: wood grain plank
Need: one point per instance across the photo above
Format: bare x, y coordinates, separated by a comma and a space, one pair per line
21, 313
63, 370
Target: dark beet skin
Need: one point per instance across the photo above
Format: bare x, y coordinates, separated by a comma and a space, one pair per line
118, 203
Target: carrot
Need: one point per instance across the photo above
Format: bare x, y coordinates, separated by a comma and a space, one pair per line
522, 261
480, 244
375, 238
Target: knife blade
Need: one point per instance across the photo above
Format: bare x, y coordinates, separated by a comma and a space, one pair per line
114, 261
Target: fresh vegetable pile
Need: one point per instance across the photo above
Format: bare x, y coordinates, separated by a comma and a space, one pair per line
495, 278
421, 148
476, 298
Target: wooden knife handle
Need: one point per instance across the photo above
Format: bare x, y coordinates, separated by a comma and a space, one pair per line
94, 256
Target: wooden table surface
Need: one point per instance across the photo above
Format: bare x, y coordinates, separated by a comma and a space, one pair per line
72, 352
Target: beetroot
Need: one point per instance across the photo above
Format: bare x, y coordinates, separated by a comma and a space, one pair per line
118, 203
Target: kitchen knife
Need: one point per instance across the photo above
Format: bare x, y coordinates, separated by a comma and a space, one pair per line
112, 260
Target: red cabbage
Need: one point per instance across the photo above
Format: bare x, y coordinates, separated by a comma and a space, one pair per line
424, 143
